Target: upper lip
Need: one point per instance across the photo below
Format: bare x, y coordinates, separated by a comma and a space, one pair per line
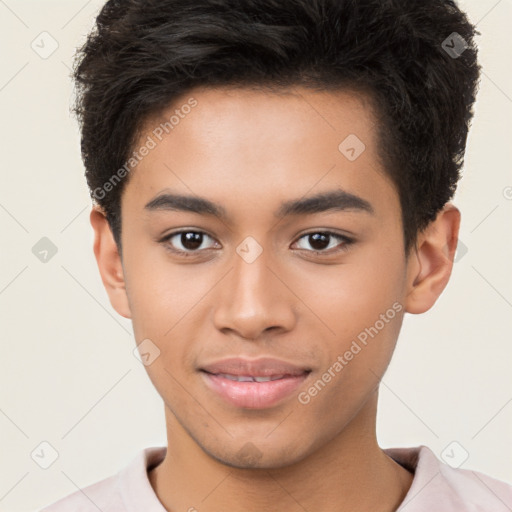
263, 367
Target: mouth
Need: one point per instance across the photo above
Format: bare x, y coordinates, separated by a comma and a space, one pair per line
249, 378
252, 391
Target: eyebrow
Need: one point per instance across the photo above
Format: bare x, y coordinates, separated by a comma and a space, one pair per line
335, 200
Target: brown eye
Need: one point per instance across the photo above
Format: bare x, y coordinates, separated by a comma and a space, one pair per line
320, 241
191, 240
186, 242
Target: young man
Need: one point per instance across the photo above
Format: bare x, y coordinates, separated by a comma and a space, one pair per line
271, 183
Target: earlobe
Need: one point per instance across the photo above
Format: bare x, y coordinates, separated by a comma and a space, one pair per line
109, 262
430, 263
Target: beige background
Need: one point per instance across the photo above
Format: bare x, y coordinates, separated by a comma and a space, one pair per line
69, 376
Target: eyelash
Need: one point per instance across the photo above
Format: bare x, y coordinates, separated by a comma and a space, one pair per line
346, 242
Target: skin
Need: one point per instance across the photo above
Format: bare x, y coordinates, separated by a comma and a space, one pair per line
250, 151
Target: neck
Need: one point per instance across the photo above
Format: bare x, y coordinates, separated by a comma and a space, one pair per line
348, 472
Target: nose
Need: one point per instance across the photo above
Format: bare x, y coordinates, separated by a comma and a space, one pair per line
254, 299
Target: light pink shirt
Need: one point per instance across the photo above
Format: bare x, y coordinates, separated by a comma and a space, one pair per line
436, 487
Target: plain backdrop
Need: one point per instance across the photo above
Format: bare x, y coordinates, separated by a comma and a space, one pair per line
69, 378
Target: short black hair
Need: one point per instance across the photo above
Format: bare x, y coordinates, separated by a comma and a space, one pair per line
416, 60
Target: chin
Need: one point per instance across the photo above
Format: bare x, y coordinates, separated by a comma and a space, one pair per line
257, 455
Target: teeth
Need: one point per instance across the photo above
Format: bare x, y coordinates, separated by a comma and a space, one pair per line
241, 378
248, 378
263, 379
266, 379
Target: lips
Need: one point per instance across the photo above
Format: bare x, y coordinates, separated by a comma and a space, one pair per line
248, 378
263, 367
253, 384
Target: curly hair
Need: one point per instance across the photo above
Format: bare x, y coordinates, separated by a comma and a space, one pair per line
417, 60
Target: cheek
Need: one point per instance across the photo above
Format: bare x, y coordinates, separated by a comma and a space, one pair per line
169, 307
360, 303
160, 292
350, 297
365, 334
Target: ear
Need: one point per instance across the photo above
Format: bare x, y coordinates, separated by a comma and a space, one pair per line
430, 262
109, 262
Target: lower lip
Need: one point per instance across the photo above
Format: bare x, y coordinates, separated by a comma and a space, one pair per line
253, 395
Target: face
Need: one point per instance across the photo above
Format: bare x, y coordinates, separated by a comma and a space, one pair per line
265, 271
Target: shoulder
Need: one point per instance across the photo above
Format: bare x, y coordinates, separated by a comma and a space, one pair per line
437, 485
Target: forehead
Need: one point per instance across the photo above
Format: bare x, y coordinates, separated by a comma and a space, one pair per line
249, 144
226, 117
